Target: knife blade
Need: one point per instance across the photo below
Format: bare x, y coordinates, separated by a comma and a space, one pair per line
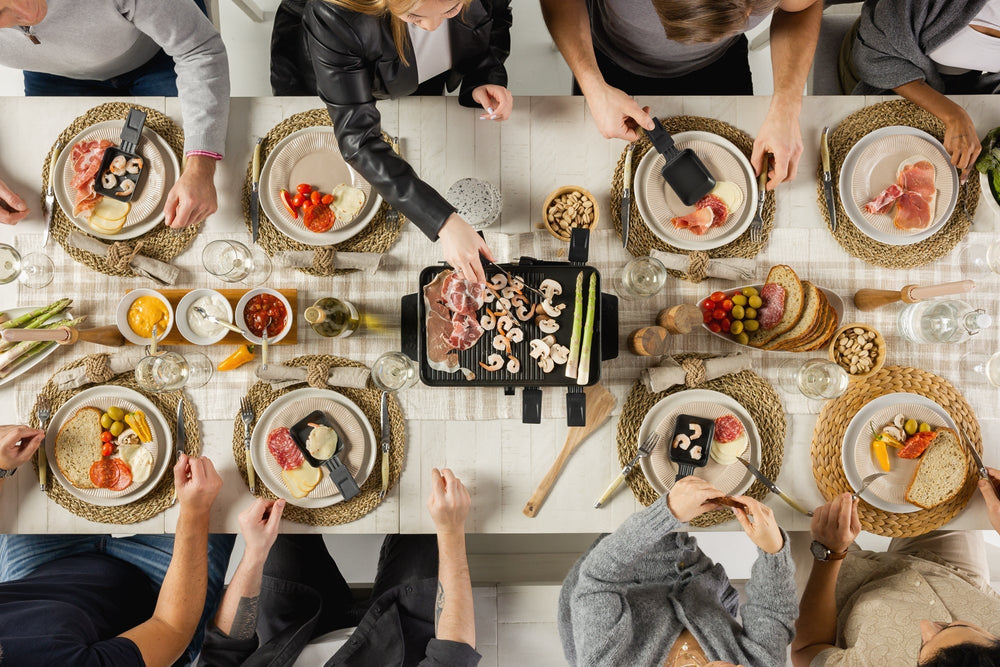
975, 455
386, 437
510, 277
50, 193
627, 195
255, 193
831, 203
181, 440
772, 487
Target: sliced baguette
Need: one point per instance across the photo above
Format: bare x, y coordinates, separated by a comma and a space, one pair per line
812, 313
942, 472
78, 445
784, 276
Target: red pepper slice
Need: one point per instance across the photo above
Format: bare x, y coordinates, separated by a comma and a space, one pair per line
286, 199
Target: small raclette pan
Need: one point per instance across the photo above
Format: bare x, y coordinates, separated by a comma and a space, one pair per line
687, 426
683, 170
339, 473
120, 172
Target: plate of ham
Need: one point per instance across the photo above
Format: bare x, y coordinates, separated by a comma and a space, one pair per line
717, 218
78, 164
898, 186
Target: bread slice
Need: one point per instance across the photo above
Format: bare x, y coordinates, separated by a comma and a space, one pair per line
824, 339
812, 313
818, 334
942, 471
794, 299
78, 445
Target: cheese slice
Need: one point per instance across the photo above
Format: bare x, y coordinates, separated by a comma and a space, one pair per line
105, 226
725, 453
730, 194
139, 459
347, 201
112, 209
301, 480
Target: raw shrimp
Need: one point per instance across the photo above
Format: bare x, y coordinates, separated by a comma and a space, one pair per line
117, 166
108, 180
127, 187
134, 165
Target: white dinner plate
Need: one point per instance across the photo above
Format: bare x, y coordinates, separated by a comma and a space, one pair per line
660, 471
38, 358
103, 397
162, 171
657, 202
870, 167
312, 156
887, 492
358, 453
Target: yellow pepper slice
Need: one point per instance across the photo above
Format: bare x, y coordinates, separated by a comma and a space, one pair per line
242, 355
881, 454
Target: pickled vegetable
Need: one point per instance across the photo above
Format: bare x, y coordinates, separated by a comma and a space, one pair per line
755, 301
751, 325
116, 428
749, 292
924, 427
738, 312
736, 328
743, 339
739, 300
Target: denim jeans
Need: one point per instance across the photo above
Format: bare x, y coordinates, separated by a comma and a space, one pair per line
20, 555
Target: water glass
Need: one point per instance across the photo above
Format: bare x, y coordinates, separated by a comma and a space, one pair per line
170, 371
394, 371
816, 378
641, 278
979, 260
34, 270
234, 262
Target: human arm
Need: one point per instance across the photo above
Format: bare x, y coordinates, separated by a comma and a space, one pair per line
13, 209
835, 525
490, 70
616, 114
448, 506
988, 487
163, 638
960, 137
17, 446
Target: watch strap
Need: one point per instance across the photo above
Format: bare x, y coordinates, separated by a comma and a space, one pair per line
4, 473
834, 555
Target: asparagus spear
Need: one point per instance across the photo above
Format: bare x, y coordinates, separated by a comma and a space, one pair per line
47, 311
588, 332
8, 358
574, 341
38, 347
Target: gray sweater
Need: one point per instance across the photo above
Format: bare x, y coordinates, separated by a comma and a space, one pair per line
895, 36
100, 39
629, 597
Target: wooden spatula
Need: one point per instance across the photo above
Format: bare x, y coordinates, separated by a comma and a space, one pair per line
109, 336
599, 405
870, 299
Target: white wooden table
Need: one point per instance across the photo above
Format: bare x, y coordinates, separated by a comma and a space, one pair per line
548, 142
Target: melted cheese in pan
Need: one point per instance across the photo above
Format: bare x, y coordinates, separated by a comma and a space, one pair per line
730, 194
322, 442
139, 459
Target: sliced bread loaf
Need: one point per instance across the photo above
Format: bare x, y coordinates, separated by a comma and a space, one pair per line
784, 276
78, 445
812, 313
942, 472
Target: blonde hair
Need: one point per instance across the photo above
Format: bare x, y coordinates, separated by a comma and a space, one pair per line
393, 9
701, 21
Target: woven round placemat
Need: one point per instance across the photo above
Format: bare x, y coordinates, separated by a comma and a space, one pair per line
847, 133
828, 440
378, 236
261, 395
752, 391
158, 499
640, 238
161, 242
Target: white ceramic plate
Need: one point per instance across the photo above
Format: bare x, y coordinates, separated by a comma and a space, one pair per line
991, 202
658, 203
660, 471
888, 492
358, 453
102, 398
870, 167
162, 171
312, 156
38, 358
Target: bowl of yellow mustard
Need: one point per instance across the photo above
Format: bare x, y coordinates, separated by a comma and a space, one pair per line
139, 311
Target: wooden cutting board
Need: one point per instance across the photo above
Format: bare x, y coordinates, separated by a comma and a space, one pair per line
233, 296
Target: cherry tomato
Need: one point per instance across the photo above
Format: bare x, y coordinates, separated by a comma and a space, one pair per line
106, 449
707, 317
327, 199
717, 296
718, 314
707, 304
303, 188
714, 327
298, 199
315, 197
727, 305
725, 323
106, 436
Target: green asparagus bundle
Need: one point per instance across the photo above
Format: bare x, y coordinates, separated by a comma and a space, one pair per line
41, 314
583, 377
574, 341
21, 352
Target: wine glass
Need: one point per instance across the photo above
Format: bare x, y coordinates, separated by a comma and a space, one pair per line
394, 371
979, 259
234, 262
34, 270
816, 378
169, 371
976, 368
641, 278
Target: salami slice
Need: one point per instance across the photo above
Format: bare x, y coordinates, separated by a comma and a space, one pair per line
283, 449
319, 218
124, 475
104, 474
773, 296
728, 428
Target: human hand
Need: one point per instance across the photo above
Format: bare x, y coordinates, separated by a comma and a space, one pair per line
616, 114
12, 208
197, 482
762, 529
259, 525
18, 444
449, 502
781, 137
193, 198
835, 525
462, 247
988, 487
497, 101
688, 498
961, 140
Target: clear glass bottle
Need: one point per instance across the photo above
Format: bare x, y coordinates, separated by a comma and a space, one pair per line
333, 318
947, 322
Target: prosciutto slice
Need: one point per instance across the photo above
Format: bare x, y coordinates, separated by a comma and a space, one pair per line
466, 331
86, 158
709, 211
884, 201
463, 296
441, 354
913, 195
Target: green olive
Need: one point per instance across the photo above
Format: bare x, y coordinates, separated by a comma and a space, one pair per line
739, 300
924, 427
755, 301
116, 413
749, 313
736, 328
737, 312
751, 325
749, 291
116, 428
911, 426
106, 421
743, 339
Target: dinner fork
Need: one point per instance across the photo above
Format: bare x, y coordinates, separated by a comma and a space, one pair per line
757, 225
645, 449
865, 482
247, 415
391, 214
44, 412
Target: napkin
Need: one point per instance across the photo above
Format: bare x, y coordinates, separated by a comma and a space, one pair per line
364, 261
670, 373
140, 264
728, 268
283, 376
118, 362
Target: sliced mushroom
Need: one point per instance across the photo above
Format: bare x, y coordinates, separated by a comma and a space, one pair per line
513, 365
559, 354
550, 288
551, 310
896, 433
524, 313
495, 362
549, 326
539, 349
899, 421
546, 364
515, 335
549, 340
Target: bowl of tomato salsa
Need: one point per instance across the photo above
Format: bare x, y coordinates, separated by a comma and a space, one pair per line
260, 308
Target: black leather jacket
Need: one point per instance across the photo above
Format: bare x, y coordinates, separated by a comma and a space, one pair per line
355, 62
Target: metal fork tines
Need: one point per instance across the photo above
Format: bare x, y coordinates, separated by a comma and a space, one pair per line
247, 415
44, 412
391, 214
866, 482
645, 449
757, 225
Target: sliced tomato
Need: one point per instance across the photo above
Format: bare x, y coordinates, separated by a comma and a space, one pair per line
303, 188
286, 199
319, 218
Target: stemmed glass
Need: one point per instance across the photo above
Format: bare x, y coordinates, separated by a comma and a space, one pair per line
34, 270
234, 262
641, 278
816, 378
394, 371
168, 371
975, 367
979, 259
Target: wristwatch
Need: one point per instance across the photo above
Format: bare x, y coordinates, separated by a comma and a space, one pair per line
7, 473
821, 552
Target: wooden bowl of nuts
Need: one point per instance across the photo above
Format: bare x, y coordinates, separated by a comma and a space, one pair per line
568, 207
859, 349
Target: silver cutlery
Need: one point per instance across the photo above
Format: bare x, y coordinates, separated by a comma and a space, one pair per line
626, 210
866, 482
386, 438
247, 415
757, 226
215, 320
50, 194
181, 440
255, 193
772, 487
645, 449
980, 466
831, 203
44, 412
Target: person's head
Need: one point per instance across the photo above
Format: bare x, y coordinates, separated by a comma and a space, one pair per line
21, 12
706, 21
425, 14
957, 644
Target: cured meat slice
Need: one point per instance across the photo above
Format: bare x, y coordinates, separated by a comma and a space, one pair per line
86, 158
124, 475
283, 449
463, 296
773, 296
104, 473
884, 201
440, 353
918, 177
709, 211
466, 331
915, 209
728, 428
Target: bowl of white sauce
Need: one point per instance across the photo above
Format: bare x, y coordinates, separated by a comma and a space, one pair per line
195, 328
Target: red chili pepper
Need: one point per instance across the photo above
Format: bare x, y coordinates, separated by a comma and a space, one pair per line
286, 199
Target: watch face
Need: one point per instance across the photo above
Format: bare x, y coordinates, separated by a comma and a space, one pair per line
819, 551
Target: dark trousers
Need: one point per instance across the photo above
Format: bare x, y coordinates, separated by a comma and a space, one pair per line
729, 75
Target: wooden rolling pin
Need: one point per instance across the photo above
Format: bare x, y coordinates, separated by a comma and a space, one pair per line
108, 335
599, 405
870, 299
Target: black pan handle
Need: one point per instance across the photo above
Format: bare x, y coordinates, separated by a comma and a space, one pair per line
684, 470
531, 405
409, 328
341, 477
609, 327
579, 245
576, 406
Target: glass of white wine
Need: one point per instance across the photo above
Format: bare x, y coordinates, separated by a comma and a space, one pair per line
978, 368
170, 371
34, 270
394, 371
979, 259
641, 278
817, 379
234, 262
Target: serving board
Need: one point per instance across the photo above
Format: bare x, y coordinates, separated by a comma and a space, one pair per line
233, 296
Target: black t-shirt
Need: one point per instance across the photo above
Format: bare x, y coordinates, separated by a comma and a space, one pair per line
70, 612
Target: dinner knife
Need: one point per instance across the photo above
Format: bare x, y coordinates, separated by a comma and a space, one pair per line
831, 203
255, 193
772, 487
50, 193
980, 466
385, 444
627, 194
181, 439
